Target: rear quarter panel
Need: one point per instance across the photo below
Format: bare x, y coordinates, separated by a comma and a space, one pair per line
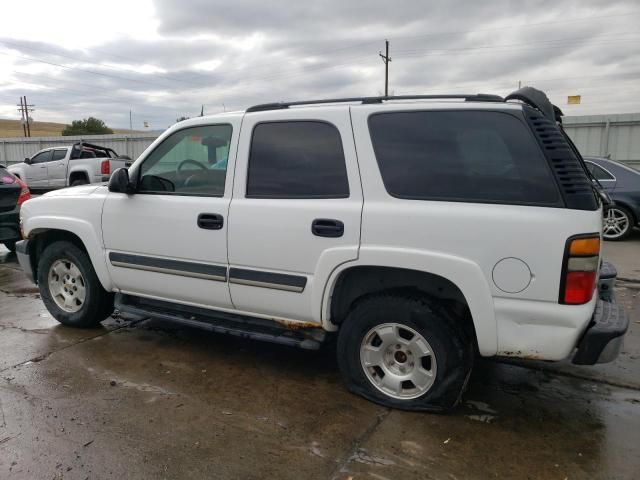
454, 239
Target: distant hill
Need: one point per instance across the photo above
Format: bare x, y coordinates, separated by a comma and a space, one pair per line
13, 128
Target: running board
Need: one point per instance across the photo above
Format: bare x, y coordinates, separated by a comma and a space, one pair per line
308, 338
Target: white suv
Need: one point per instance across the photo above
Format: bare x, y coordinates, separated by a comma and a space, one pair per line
420, 230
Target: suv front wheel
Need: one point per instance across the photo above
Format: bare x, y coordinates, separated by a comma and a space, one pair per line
70, 288
404, 352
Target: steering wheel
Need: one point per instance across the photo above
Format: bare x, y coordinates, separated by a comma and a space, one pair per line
189, 161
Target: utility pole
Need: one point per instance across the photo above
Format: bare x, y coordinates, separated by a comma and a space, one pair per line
386, 59
21, 110
130, 122
24, 110
519, 84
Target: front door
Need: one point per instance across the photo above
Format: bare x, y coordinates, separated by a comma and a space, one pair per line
36, 171
169, 239
295, 212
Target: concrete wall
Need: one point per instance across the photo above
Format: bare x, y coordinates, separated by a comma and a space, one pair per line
14, 150
603, 135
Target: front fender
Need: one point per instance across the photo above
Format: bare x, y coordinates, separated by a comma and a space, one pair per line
84, 230
17, 170
463, 273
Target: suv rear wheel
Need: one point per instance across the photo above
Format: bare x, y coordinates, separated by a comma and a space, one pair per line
70, 288
404, 352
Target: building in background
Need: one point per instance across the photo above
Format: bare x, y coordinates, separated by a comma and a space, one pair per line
613, 136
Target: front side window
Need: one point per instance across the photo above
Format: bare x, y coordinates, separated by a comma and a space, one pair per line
191, 161
41, 157
297, 159
472, 156
58, 155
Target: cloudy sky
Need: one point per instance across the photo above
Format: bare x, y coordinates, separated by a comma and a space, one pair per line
165, 58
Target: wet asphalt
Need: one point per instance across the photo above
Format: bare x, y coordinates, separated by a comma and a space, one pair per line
148, 399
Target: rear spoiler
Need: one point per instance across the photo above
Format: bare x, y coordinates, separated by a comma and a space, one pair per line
538, 100
78, 147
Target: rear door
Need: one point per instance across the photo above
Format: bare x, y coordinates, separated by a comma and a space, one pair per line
295, 212
57, 168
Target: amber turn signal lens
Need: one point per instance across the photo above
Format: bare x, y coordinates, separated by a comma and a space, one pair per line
585, 246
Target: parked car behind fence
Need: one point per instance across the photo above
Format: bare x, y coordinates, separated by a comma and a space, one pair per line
78, 164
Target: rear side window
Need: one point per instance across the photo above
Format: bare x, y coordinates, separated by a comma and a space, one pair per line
472, 156
59, 154
297, 159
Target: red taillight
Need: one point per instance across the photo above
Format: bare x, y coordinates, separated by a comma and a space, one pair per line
104, 167
578, 288
24, 192
579, 270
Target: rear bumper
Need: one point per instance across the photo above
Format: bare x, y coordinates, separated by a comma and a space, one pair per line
24, 258
603, 338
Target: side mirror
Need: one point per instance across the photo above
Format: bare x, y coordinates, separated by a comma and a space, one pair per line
27, 160
119, 182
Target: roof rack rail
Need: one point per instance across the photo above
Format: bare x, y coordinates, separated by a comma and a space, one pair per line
478, 97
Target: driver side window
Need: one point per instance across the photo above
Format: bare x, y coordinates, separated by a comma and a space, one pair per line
191, 161
41, 157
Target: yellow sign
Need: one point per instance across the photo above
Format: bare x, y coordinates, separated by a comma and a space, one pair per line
574, 99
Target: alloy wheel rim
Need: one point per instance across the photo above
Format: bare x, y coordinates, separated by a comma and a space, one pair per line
66, 285
615, 223
398, 361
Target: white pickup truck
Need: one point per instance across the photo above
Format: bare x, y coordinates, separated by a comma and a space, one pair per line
418, 231
78, 164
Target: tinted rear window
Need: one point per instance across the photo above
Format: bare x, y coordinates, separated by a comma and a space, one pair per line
473, 156
297, 159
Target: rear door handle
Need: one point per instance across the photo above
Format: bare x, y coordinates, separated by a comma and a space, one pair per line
210, 221
327, 227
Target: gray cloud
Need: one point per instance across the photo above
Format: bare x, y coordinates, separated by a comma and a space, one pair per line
244, 52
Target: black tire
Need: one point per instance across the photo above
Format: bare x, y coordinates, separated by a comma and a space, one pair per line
80, 181
630, 224
452, 348
11, 246
98, 303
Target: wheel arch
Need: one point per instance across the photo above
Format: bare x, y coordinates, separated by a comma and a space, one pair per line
83, 238
453, 279
79, 175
